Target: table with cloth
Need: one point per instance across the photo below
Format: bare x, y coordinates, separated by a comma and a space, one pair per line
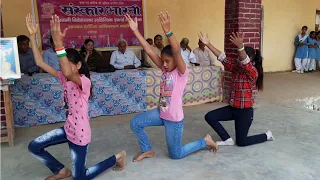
38, 99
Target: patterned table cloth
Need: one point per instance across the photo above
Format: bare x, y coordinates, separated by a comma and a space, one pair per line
204, 86
37, 99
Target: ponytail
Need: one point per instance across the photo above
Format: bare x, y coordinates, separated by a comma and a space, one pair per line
255, 56
85, 70
258, 64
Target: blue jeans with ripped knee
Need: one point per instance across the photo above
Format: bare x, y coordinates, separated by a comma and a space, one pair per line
78, 155
173, 130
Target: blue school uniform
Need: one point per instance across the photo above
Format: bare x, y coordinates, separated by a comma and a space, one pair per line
318, 51
302, 51
312, 53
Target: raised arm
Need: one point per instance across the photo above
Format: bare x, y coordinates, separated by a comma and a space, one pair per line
145, 45
58, 38
205, 39
248, 67
165, 21
32, 28
229, 64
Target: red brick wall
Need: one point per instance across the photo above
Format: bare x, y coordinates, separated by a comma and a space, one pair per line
242, 16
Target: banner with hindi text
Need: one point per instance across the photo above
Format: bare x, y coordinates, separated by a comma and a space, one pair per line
100, 20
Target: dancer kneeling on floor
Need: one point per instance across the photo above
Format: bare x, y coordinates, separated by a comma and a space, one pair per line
75, 79
172, 85
247, 77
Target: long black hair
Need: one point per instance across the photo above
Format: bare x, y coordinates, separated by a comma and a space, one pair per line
75, 57
83, 49
167, 50
255, 56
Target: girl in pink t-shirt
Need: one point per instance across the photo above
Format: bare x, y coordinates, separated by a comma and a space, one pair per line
75, 79
170, 111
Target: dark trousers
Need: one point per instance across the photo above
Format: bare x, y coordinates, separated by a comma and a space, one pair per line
243, 119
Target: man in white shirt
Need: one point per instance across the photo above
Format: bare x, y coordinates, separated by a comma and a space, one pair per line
123, 58
187, 53
203, 55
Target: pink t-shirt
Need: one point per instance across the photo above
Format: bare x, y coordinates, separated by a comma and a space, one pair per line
77, 126
171, 91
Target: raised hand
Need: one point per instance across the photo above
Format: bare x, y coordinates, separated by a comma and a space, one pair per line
57, 35
132, 23
31, 26
165, 21
237, 39
204, 38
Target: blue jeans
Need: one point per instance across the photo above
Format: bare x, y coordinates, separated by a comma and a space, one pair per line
243, 119
78, 155
174, 131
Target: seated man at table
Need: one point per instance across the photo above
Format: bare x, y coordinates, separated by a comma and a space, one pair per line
203, 55
157, 48
187, 53
27, 63
123, 58
50, 56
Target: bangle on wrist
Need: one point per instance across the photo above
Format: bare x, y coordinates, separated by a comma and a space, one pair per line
241, 48
59, 49
61, 52
170, 33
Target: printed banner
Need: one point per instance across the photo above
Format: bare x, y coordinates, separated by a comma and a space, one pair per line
9, 58
100, 20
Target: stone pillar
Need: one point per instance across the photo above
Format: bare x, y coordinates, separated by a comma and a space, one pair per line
243, 16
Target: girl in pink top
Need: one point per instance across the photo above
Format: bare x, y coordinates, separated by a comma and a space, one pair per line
75, 79
170, 111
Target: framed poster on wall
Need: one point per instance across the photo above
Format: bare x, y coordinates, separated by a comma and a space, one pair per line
9, 59
102, 21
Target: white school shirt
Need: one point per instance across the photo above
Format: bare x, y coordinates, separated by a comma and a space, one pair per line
119, 60
188, 57
205, 58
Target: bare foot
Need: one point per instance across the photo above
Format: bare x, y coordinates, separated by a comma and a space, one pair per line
209, 142
121, 161
148, 154
63, 173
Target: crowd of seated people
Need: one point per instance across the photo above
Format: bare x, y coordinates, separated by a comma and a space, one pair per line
120, 59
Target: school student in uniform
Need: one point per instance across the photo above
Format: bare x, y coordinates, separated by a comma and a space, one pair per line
312, 53
301, 57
